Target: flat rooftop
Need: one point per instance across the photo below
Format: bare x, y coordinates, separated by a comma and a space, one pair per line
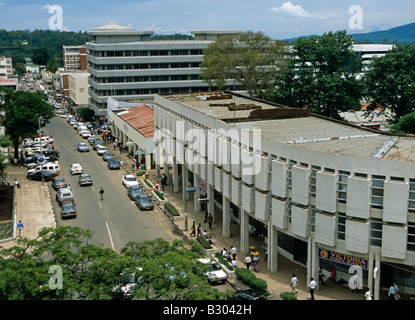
310, 131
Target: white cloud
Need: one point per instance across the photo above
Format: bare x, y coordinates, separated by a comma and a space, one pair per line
290, 10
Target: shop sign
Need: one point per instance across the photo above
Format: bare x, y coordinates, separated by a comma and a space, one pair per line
343, 258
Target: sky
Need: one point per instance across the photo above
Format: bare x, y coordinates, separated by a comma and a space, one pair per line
279, 19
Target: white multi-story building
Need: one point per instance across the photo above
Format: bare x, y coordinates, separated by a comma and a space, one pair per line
127, 64
6, 68
324, 193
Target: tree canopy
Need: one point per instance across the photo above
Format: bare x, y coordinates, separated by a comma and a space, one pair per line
252, 60
322, 75
390, 82
62, 263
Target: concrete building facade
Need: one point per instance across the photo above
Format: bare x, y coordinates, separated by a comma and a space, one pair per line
127, 64
322, 193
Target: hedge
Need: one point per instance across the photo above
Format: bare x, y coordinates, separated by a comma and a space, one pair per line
204, 242
223, 261
159, 194
172, 209
140, 173
288, 296
148, 183
247, 277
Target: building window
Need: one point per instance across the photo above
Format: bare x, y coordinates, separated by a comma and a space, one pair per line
312, 220
313, 175
288, 210
341, 225
376, 232
411, 237
289, 173
342, 186
411, 202
376, 198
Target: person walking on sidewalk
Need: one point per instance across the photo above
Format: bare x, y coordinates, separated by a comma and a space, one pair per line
247, 261
20, 228
101, 193
193, 233
209, 221
312, 287
294, 282
233, 252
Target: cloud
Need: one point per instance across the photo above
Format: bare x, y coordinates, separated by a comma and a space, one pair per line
290, 10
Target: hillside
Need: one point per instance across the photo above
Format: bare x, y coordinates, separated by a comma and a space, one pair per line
402, 34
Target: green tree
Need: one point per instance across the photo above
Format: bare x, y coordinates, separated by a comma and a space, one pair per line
252, 60
390, 82
52, 65
40, 56
23, 110
322, 75
405, 125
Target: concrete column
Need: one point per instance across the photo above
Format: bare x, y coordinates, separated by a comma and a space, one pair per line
244, 221
175, 175
197, 192
309, 261
370, 272
226, 218
272, 248
314, 262
376, 291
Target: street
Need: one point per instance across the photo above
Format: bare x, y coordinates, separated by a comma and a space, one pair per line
115, 220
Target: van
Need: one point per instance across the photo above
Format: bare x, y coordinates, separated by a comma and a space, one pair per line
51, 166
43, 140
64, 195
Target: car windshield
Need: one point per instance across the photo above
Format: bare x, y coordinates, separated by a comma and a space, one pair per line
130, 179
86, 176
143, 198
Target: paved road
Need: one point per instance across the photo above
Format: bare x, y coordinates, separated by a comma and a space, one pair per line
115, 220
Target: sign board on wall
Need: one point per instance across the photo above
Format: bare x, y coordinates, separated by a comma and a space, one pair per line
343, 258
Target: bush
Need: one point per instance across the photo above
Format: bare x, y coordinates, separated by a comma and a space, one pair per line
223, 261
159, 194
140, 173
148, 183
288, 296
203, 241
247, 277
172, 209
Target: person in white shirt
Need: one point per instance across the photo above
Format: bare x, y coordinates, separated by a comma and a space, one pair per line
233, 252
234, 264
312, 286
294, 282
247, 261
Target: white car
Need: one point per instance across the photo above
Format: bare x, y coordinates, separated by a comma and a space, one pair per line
101, 149
85, 134
129, 180
76, 168
215, 274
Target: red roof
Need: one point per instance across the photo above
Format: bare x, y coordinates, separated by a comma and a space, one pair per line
140, 118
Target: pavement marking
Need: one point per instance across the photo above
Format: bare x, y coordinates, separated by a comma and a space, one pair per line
109, 233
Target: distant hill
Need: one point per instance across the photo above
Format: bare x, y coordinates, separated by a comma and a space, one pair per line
402, 34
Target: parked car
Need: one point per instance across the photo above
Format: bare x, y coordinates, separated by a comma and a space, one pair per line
76, 168
249, 294
129, 180
91, 139
51, 166
215, 274
97, 142
83, 147
68, 210
113, 163
37, 175
54, 154
134, 191
33, 159
85, 134
107, 155
101, 149
64, 195
58, 183
144, 202
85, 179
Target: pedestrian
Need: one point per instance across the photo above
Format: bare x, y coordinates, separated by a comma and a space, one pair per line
210, 220
233, 252
312, 286
321, 277
210, 240
294, 282
101, 193
199, 230
172, 187
20, 228
392, 292
368, 295
204, 234
234, 264
133, 164
121, 163
193, 233
255, 260
247, 261
223, 252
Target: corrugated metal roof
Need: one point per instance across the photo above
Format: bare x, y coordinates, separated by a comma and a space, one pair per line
140, 118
